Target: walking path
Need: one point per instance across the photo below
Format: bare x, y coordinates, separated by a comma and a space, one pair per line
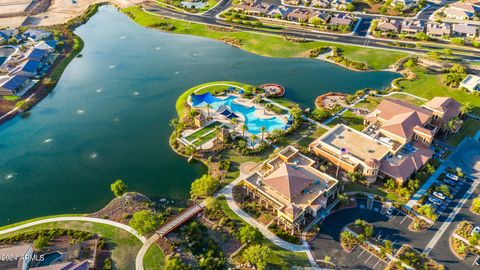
401, 93
86, 219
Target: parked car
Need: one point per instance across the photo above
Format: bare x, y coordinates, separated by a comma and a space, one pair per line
439, 195
434, 201
452, 176
477, 261
389, 211
475, 230
450, 182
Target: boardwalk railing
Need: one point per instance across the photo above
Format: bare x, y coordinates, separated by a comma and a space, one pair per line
179, 220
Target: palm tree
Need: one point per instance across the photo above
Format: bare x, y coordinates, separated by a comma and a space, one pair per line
208, 106
263, 129
244, 128
450, 126
234, 123
252, 138
174, 123
465, 108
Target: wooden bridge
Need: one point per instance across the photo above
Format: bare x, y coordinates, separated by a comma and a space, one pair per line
181, 218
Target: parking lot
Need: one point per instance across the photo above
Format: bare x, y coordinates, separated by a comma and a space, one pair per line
387, 227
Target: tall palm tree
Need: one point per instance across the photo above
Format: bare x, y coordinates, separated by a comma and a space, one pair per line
263, 129
252, 138
174, 123
244, 128
208, 106
450, 126
234, 123
465, 108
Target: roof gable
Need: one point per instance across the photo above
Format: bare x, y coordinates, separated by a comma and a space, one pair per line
288, 181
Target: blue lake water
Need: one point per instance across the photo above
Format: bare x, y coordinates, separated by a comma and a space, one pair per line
108, 116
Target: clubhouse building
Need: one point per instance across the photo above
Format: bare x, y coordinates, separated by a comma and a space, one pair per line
395, 142
291, 186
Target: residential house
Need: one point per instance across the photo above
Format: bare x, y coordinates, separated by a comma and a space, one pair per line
461, 11
323, 17
299, 15
465, 30
444, 109
341, 19
406, 4
471, 82
320, 3
412, 27
290, 186
340, 4
36, 35
280, 12
438, 30
12, 85
388, 25
16, 257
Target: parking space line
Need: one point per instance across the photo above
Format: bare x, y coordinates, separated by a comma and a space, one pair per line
473, 263
376, 264
406, 216
371, 255
363, 250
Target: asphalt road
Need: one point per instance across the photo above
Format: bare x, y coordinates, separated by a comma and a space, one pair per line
329, 37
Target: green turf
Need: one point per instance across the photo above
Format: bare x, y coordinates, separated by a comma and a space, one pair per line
469, 128
124, 245
350, 119
154, 258
429, 85
203, 131
270, 45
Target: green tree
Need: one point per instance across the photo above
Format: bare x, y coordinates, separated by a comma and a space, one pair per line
421, 36
257, 255
249, 234
118, 188
208, 106
296, 112
466, 108
211, 204
410, 63
175, 263
145, 221
203, 186
458, 41
445, 190
41, 242
244, 128
390, 185
476, 205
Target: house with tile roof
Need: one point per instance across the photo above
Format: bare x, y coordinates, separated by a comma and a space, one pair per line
16, 257
438, 30
291, 187
444, 109
465, 30
388, 25
412, 27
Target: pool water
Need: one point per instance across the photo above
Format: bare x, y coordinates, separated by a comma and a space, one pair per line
50, 258
253, 123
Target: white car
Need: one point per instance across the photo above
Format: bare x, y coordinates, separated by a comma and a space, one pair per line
475, 230
452, 176
434, 201
439, 195
389, 211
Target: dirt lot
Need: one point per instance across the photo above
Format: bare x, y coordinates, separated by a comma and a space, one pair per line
59, 12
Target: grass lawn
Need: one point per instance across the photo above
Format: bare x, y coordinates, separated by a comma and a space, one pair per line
350, 119
154, 258
37, 219
429, 85
311, 137
268, 45
10, 98
469, 128
125, 245
203, 131
205, 139
281, 258
182, 100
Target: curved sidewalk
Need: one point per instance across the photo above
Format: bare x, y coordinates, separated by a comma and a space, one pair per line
86, 219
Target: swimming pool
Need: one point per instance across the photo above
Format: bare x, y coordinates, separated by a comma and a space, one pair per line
50, 258
252, 122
